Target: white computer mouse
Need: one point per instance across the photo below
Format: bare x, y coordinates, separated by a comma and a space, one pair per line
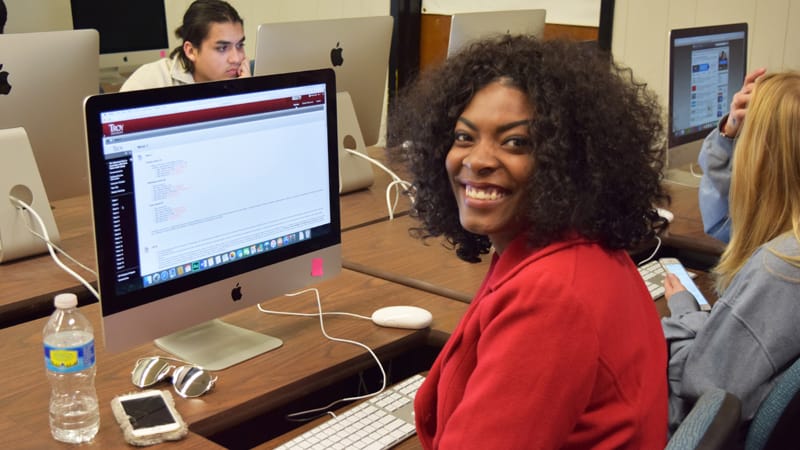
411, 317
665, 213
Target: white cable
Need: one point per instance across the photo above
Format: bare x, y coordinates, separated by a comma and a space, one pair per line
373, 161
396, 180
694, 174
283, 313
47, 240
678, 183
391, 207
50, 246
658, 246
325, 409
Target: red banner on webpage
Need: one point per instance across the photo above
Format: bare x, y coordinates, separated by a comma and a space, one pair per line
119, 127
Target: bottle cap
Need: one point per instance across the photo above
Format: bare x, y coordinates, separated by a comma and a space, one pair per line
65, 301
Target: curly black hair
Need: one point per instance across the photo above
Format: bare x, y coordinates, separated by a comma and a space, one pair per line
597, 142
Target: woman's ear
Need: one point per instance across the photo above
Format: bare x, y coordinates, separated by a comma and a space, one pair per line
190, 51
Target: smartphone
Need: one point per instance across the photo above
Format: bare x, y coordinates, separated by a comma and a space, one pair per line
149, 413
674, 266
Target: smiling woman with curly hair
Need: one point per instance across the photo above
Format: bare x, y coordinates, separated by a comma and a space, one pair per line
550, 155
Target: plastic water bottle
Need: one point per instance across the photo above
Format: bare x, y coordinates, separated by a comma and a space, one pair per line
70, 364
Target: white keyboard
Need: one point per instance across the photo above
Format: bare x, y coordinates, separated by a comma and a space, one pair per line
653, 275
376, 424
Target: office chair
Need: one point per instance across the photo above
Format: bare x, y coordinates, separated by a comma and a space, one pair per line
710, 425
776, 423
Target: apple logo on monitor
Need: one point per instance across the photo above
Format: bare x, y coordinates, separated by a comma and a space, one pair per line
236, 292
336, 55
5, 87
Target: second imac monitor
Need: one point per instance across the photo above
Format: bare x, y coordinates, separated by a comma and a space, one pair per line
131, 33
357, 49
467, 27
707, 66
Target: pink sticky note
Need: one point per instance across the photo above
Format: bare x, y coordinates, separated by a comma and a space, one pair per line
317, 269
163, 53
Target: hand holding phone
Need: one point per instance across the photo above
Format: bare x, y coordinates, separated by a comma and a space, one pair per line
674, 266
148, 417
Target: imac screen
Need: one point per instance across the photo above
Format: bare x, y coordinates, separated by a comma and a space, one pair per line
131, 32
210, 197
707, 67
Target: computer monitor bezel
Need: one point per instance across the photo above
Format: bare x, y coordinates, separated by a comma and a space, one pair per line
145, 314
734, 81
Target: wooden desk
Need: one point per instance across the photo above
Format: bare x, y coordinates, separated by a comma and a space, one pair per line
29, 285
306, 362
686, 230
685, 235
386, 250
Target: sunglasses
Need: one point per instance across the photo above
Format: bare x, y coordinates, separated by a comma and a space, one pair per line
188, 380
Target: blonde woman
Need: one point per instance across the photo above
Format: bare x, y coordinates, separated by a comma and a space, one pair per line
751, 334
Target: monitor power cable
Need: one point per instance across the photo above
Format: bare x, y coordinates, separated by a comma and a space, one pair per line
301, 416
397, 183
52, 247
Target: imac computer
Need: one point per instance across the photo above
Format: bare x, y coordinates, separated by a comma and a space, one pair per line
131, 33
45, 77
466, 27
208, 198
707, 66
357, 49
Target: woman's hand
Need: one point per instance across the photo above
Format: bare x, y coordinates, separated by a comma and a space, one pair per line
739, 104
672, 285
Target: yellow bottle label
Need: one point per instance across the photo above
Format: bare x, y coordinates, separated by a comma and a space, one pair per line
63, 358
72, 359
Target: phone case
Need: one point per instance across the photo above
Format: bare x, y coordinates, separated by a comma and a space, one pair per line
141, 441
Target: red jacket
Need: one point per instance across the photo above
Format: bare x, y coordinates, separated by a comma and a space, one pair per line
561, 348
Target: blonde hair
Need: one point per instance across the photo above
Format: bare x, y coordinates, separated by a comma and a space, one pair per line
765, 179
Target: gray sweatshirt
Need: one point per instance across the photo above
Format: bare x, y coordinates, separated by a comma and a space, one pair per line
751, 335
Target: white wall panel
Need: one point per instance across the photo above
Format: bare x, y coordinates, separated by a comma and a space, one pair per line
641, 31
791, 44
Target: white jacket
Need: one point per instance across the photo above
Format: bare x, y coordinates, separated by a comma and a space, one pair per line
162, 73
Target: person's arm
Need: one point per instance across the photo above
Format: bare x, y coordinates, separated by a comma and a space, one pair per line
685, 318
537, 365
749, 337
681, 327
715, 159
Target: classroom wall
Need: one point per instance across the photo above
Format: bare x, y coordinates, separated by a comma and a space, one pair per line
640, 36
